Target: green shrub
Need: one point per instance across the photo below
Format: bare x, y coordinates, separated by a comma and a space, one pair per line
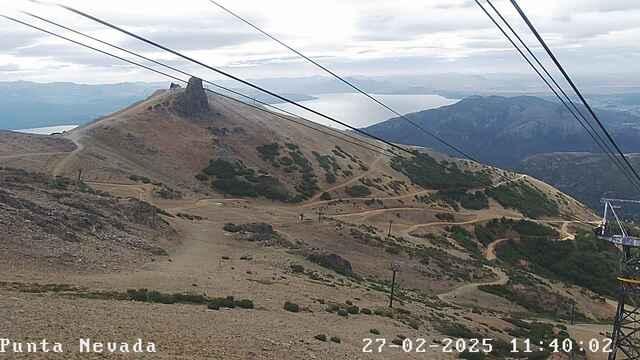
231, 227
336, 339
332, 308
330, 178
58, 184
244, 304
297, 268
325, 196
190, 298
366, 311
221, 169
427, 172
353, 309
445, 217
269, 151
291, 307
220, 302
357, 191
530, 201
343, 312
321, 337
374, 331
587, 261
235, 186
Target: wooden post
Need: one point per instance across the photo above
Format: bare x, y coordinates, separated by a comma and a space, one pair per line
395, 268
389, 232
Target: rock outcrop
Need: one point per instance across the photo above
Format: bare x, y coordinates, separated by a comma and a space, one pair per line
334, 262
174, 86
193, 101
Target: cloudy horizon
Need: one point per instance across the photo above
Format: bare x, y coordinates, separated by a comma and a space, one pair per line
355, 38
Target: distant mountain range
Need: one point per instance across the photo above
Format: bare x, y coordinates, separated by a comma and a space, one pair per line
503, 131
585, 176
27, 105
30, 105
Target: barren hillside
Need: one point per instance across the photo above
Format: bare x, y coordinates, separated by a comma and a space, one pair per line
301, 229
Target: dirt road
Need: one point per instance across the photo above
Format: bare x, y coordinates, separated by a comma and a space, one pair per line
60, 166
490, 252
466, 288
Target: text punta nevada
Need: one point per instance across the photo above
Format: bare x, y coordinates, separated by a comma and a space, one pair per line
83, 346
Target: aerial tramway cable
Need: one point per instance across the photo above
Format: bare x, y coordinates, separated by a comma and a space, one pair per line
226, 74
191, 75
343, 80
593, 133
573, 86
360, 144
595, 136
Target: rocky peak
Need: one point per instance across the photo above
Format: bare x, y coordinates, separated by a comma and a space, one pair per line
174, 86
193, 100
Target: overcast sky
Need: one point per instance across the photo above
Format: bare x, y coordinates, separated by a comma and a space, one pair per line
353, 37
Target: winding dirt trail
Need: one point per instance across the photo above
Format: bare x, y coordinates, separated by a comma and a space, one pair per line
490, 252
59, 167
447, 297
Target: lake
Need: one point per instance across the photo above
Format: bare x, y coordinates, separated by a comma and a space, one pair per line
48, 130
353, 109
359, 111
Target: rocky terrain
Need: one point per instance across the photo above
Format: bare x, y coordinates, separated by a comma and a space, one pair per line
61, 225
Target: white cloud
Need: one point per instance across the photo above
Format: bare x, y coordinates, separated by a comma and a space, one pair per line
369, 37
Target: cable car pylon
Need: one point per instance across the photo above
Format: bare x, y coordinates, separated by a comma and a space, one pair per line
625, 336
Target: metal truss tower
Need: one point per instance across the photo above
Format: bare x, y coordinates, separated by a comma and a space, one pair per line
625, 336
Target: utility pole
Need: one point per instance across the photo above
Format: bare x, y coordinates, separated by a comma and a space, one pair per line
395, 268
573, 317
389, 232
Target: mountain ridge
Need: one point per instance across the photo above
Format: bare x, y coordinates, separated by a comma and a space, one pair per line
504, 130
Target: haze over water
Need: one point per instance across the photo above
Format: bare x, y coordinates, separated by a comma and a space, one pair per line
359, 111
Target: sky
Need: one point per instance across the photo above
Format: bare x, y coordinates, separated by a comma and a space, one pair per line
352, 37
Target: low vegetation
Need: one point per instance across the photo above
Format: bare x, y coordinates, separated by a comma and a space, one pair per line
357, 191
229, 302
459, 198
586, 261
291, 307
501, 228
427, 172
530, 201
464, 239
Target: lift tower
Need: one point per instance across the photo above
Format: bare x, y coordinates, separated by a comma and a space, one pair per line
625, 336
